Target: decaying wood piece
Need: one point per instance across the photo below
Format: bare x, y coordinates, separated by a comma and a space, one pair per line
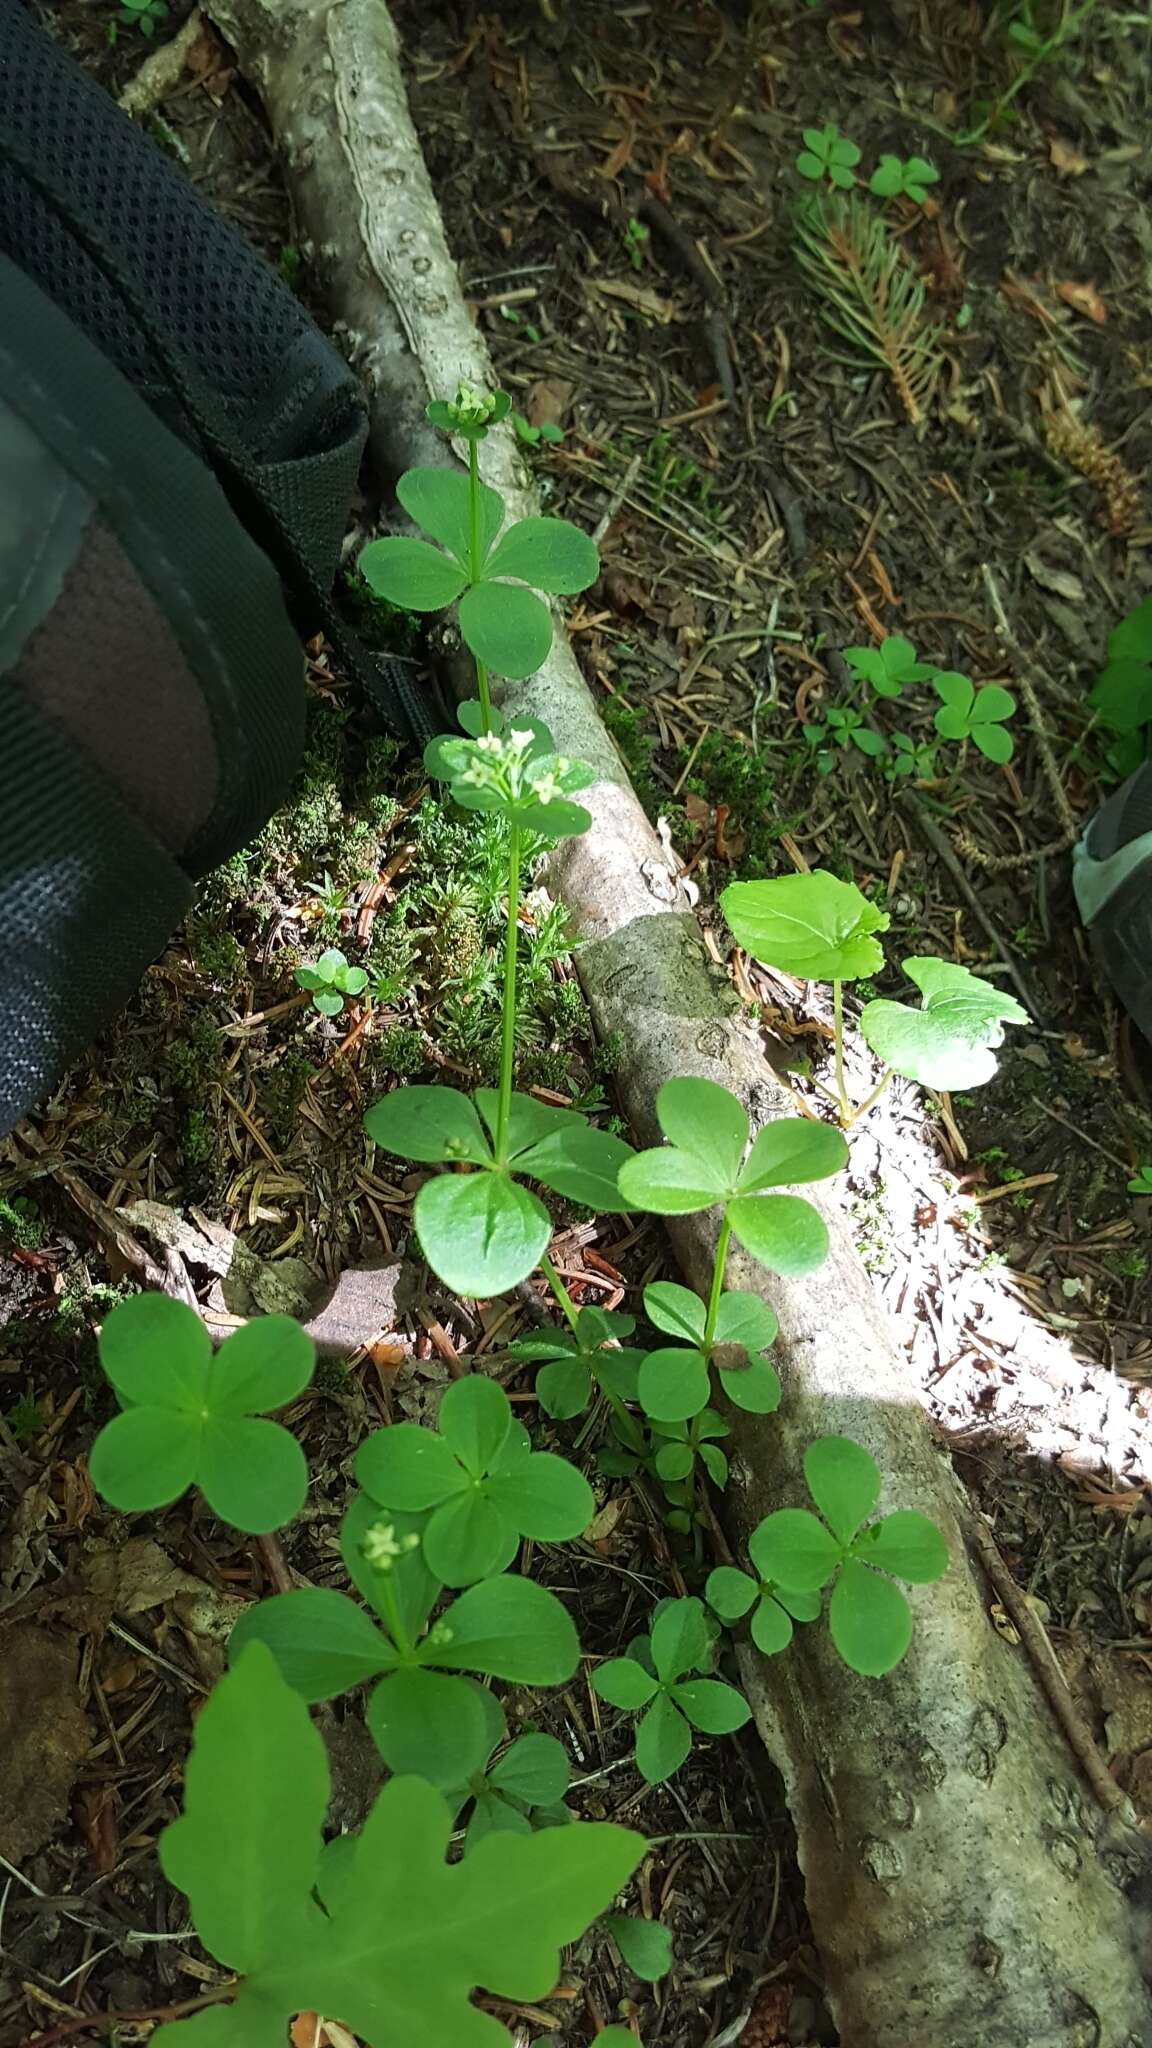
960, 1888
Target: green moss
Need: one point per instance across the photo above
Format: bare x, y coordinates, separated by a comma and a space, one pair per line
730, 772
194, 1061
635, 744
215, 954
280, 1091
20, 1224
401, 1051
200, 1141
386, 627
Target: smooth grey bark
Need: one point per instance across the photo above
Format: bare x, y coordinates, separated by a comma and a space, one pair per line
959, 1883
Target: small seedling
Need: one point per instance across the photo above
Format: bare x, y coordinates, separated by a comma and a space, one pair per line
194, 1417
869, 1618
579, 1359
331, 896
898, 177
145, 15
828, 155
846, 726
1141, 1182
673, 1384
485, 1486
910, 757
653, 1679
967, 713
888, 667
330, 981
949, 1041
732, 1594
703, 1165
400, 1940
531, 435
635, 237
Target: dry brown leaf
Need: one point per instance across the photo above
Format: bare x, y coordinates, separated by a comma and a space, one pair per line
1066, 161
1083, 298
548, 401
635, 295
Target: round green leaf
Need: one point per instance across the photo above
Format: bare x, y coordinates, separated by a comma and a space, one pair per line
670, 1183
328, 1002
1131, 640
474, 1420
564, 1388
646, 1948
252, 1473
469, 1539
995, 742
801, 1606
906, 1544
507, 628
323, 1643
793, 1548
784, 1232
546, 1498
729, 1593
624, 1683
145, 1458
411, 574
551, 554
754, 1387
675, 1309
436, 1125
870, 1620
581, 1164
712, 1706
507, 1628
408, 1467
262, 1366
156, 1350
844, 1481
480, 1232
743, 1318
792, 1150
681, 1638
813, 926
991, 704
673, 1384
439, 500
771, 1627
924, 1046
431, 1725
663, 1741
534, 1769
706, 1120
674, 1462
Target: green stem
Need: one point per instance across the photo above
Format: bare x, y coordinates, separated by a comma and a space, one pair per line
390, 1607
838, 1017
508, 1018
717, 1287
863, 1107
560, 1291
474, 567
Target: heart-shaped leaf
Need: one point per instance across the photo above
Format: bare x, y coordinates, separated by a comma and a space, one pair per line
670, 1182
681, 1638
411, 574
676, 1310
742, 1318
730, 1593
790, 1151
663, 1741
550, 554
906, 1544
506, 627
705, 1120
436, 1125
646, 1948
508, 1628
784, 1232
564, 1388
813, 926
440, 501
712, 1706
870, 1620
430, 1724
534, 1769
753, 1384
793, 1548
581, 1164
624, 1683
844, 1481
322, 1642
480, 1232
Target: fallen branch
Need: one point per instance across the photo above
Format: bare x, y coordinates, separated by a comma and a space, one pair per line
944, 1833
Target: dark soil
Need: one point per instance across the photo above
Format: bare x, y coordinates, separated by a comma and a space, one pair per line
619, 188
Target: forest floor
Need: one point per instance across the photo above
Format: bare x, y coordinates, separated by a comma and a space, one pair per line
619, 188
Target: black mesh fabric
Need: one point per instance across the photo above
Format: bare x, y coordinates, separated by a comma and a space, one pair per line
115, 234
